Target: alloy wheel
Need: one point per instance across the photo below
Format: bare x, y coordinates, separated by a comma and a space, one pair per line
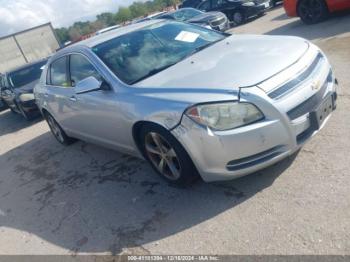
238, 18
162, 156
56, 130
311, 10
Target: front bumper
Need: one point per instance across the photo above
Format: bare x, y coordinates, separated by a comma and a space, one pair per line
223, 26
257, 9
224, 155
3, 105
29, 106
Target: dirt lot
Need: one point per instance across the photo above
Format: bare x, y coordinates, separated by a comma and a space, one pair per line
86, 199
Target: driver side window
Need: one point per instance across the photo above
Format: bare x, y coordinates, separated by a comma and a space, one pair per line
81, 68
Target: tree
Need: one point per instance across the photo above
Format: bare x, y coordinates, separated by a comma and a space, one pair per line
62, 34
123, 15
106, 18
138, 9
74, 34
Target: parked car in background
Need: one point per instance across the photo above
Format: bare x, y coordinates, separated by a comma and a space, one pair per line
107, 29
314, 11
237, 11
190, 3
149, 17
3, 105
175, 93
17, 88
213, 20
273, 3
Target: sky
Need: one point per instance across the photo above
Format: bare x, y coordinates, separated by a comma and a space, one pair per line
17, 15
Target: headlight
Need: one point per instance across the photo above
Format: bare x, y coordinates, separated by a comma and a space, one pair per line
249, 4
26, 97
204, 25
224, 116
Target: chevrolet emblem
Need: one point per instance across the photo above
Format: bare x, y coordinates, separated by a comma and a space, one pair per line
315, 85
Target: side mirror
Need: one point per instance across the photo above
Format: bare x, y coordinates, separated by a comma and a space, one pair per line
90, 84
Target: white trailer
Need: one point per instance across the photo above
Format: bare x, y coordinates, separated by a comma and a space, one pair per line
27, 46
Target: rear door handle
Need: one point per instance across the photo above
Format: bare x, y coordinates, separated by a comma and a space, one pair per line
73, 98
46, 94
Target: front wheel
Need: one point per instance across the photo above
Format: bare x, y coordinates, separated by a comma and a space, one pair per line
167, 156
57, 131
312, 11
238, 17
25, 114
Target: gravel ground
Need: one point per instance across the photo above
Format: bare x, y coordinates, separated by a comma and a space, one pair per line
87, 199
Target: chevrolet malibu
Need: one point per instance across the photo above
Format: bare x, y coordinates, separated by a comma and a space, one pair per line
190, 100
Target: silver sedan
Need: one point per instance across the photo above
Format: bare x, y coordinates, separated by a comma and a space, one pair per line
192, 101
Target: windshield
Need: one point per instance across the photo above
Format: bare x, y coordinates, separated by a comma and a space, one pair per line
185, 14
26, 75
142, 53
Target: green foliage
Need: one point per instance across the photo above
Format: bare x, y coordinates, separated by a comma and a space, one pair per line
123, 15
136, 10
106, 19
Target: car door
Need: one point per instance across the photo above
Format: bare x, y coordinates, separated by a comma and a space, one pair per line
335, 5
59, 92
93, 115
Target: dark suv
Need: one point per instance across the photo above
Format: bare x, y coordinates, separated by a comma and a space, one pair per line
3, 105
17, 88
238, 11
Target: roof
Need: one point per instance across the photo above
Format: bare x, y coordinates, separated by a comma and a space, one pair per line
182, 9
98, 39
106, 29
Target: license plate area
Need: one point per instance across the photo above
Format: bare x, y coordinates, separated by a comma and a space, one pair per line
320, 114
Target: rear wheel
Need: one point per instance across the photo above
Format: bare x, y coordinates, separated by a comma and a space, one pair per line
312, 11
167, 156
57, 131
238, 17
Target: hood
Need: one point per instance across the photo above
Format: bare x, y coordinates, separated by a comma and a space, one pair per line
237, 61
28, 88
205, 17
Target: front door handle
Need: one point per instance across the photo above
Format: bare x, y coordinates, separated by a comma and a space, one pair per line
46, 94
73, 99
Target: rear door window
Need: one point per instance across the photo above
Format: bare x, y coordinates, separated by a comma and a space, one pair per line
58, 73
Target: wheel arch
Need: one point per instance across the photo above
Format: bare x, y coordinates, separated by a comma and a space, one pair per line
299, 1
136, 129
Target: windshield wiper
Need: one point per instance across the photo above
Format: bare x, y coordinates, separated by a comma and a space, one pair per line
153, 72
200, 48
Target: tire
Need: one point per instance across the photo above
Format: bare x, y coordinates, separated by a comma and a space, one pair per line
57, 131
167, 156
238, 17
27, 116
312, 11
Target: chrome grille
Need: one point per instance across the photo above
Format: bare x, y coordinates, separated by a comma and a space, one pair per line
294, 83
311, 103
218, 21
